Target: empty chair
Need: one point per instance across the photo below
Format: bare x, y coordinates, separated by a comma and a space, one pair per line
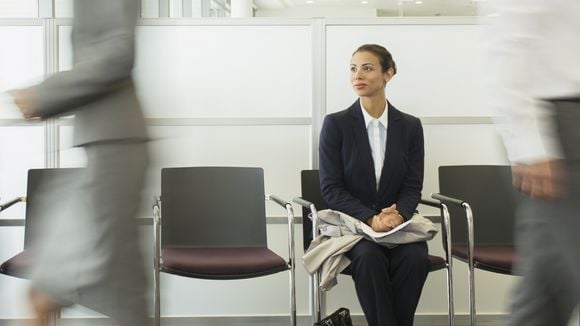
312, 201
19, 265
482, 204
210, 223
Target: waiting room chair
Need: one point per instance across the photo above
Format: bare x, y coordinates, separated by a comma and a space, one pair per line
210, 223
19, 265
484, 238
312, 201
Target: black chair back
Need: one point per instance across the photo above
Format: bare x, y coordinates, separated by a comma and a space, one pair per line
488, 190
310, 181
198, 201
45, 187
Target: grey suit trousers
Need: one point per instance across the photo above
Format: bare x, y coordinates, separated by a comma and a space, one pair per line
548, 240
90, 254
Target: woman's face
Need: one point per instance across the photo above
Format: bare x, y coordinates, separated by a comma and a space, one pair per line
366, 75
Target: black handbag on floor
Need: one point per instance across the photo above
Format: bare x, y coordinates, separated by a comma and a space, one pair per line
341, 317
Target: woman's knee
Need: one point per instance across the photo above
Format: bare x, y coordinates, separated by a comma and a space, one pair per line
412, 255
366, 254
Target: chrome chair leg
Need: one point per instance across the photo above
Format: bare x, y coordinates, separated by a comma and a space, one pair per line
449, 267
315, 298
157, 262
471, 270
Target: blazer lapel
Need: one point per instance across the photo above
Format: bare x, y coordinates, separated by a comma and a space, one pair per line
392, 146
362, 142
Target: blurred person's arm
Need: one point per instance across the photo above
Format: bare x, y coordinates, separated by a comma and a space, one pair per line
544, 179
104, 66
524, 122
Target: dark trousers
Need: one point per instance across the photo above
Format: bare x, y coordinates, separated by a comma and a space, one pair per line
388, 282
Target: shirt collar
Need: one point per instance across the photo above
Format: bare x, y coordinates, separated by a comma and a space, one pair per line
383, 119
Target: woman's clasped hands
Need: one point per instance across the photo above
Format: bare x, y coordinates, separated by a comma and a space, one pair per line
388, 219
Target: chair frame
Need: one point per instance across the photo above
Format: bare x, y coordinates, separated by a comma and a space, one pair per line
158, 263
470, 247
316, 297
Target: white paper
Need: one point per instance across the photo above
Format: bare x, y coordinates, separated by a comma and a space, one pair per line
368, 230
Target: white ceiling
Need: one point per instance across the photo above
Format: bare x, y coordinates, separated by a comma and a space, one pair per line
382, 7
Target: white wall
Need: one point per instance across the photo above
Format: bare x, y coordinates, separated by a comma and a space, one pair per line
252, 92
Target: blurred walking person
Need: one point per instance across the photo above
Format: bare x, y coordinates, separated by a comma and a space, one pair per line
533, 62
90, 254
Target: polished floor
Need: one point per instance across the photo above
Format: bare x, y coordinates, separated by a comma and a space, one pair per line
422, 320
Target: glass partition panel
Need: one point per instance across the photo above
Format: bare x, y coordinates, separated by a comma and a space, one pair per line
65, 60
21, 59
18, 8
439, 67
458, 144
63, 8
225, 71
22, 149
219, 71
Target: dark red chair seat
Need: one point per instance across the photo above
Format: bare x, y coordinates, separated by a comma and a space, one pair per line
17, 266
493, 258
436, 263
222, 263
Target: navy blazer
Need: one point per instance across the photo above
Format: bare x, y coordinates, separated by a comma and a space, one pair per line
347, 177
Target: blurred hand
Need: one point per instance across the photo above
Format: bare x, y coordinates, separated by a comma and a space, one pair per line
542, 180
386, 220
24, 101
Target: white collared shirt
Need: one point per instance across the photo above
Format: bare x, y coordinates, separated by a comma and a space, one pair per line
377, 133
532, 54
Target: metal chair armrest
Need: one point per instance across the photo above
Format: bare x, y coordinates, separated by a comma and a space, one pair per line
428, 202
447, 199
468, 213
302, 202
445, 223
12, 202
277, 200
290, 214
157, 234
313, 214
156, 209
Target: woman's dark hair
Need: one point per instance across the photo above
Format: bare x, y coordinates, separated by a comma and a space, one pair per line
385, 57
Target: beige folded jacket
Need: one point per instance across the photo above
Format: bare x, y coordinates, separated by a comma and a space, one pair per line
340, 232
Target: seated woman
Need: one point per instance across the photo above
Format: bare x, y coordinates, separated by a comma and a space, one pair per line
371, 167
